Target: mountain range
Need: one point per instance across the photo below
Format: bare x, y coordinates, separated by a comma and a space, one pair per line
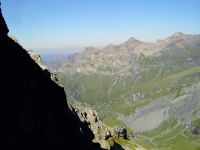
151, 88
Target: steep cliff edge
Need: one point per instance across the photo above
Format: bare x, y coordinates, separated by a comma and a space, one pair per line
106, 136
34, 113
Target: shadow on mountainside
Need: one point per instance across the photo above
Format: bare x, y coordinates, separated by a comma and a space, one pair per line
116, 146
33, 109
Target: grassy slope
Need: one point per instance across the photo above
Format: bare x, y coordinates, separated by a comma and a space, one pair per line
126, 144
170, 135
110, 95
119, 103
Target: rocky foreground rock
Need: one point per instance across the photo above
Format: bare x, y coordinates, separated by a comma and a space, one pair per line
102, 132
34, 113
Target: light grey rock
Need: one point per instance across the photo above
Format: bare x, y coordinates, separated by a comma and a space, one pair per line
120, 132
36, 57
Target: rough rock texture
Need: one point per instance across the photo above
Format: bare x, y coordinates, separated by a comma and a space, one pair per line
90, 117
101, 131
120, 132
36, 57
34, 113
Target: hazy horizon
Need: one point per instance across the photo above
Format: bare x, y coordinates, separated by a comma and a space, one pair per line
60, 26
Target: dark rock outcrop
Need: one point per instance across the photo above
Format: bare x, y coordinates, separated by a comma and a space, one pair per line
3, 27
34, 113
196, 130
120, 132
116, 146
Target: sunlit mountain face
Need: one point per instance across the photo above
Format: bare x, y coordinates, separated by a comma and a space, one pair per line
151, 88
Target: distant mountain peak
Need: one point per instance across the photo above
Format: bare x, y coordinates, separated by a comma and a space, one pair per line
173, 38
177, 34
132, 39
90, 49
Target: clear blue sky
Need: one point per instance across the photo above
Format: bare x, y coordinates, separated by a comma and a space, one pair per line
63, 24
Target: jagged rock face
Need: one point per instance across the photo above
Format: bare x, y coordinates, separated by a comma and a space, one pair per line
34, 113
90, 117
120, 132
33, 109
36, 57
101, 131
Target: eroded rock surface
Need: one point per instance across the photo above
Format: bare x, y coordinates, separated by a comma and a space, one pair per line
101, 131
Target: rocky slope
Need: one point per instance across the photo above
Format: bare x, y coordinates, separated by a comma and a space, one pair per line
101, 131
34, 113
124, 59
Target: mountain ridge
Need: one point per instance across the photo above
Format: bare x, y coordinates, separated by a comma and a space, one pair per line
125, 54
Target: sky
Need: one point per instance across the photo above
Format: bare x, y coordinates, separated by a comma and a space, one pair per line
62, 26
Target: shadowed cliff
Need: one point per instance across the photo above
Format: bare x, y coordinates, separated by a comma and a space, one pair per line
33, 109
